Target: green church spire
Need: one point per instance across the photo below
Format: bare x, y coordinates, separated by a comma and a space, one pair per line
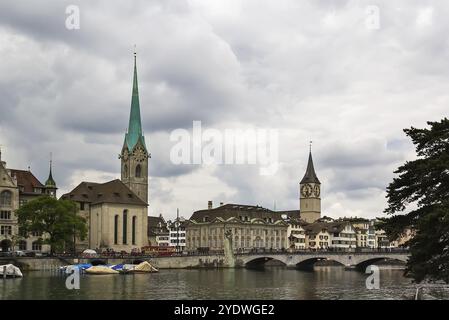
50, 183
134, 133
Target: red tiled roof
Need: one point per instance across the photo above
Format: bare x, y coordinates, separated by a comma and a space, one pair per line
26, 180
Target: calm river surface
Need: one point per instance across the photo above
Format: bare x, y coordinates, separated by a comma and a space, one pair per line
270, 283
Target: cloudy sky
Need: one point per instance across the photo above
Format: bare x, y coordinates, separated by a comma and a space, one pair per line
316, 70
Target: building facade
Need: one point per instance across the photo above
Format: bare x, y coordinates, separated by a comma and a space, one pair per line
252, 227
330, 236
17, 187
177, 231
296, 233
116, 217
158, 233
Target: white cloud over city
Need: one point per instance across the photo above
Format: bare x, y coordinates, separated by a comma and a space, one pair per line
310, 69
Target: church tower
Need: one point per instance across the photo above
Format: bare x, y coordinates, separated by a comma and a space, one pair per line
310, 194
134, 155
50, 184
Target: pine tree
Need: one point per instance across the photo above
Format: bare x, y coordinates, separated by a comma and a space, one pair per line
418, 199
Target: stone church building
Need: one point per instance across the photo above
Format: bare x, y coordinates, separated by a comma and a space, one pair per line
116, 211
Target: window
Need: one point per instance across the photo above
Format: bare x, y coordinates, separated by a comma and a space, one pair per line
22, 245
36, 246
133, 234
138, 171
81, 205
5, 198
125, 171
6, 230
116, 229
5, 215
125, 226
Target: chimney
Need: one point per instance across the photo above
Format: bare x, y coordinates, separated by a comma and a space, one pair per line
209, 204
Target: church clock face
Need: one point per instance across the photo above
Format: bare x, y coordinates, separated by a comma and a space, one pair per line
140, 155
316, 191
306, 190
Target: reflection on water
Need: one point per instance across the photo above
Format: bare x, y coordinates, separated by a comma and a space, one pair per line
271, 283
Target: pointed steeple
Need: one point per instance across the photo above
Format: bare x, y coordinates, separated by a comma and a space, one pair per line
50, 183
134, 133
310, 176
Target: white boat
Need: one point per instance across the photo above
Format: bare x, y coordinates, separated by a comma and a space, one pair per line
10, 271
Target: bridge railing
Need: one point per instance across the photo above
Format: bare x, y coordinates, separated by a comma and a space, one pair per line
143, 256
327, 252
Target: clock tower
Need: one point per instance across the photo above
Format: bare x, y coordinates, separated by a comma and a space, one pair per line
310, 194
134, 155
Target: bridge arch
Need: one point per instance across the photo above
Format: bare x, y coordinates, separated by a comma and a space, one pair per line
259, 262
98, 262
308, 263
362, 265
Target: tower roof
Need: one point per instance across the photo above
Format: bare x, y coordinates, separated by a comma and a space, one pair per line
310, 176
134, 133
50, 183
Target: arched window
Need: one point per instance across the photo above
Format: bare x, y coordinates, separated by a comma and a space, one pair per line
37, 246
125, 226
116, 229
22, 245
138, 171
134, 230
5, 198
125, 171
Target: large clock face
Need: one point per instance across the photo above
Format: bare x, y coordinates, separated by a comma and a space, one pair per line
140, 154
306, 190
316, 191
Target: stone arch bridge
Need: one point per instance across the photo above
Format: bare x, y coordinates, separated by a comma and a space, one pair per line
299, 260
306, 260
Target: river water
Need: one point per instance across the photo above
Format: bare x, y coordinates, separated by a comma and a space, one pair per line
270, 283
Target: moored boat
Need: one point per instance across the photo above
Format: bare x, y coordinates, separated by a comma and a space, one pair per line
10, 271
101, 270
144, 267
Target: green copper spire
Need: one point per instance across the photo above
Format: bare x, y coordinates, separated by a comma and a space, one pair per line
50, 183
134, 133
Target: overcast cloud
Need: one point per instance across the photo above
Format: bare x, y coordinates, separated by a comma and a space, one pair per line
310, 69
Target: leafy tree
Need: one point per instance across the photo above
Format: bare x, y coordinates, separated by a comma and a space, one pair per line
56, 220
418, 199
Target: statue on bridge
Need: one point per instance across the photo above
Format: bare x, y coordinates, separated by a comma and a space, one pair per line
229, 249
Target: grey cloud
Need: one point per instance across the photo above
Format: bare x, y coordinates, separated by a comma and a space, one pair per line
277, 65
